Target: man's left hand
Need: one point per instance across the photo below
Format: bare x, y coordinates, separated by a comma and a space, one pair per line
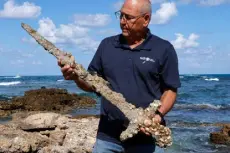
156, 119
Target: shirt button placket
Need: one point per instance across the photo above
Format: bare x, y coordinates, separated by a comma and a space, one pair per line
129, 69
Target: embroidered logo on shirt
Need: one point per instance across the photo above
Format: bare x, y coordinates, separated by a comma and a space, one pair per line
146, 59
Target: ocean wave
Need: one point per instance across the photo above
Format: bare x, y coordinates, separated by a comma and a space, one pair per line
194, 124
185, 95
9, 83
61, 80
191, 75
5, 97
12, 77
202, 106
211, 79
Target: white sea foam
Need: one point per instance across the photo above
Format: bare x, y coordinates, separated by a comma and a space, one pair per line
212, 79
198, 106
17, 76
60, 80
13, 77
9, 83
204, 77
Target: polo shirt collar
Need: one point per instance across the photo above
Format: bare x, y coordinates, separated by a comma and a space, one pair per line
120, 42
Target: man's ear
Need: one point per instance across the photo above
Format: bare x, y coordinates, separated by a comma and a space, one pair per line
147, 19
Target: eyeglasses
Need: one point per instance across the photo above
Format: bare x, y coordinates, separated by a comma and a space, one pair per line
119, 15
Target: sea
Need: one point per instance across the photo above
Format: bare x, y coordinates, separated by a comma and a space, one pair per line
201, 99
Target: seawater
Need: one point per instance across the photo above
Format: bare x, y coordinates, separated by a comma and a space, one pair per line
201, 99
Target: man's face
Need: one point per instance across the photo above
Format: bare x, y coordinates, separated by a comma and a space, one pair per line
132, 22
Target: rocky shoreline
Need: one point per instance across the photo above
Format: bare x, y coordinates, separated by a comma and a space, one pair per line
40, 123
221, 137
54, 100
48, 132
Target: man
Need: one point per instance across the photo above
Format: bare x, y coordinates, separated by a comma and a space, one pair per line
139, 65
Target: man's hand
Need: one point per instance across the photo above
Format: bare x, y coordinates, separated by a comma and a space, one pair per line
156, 119
68, 72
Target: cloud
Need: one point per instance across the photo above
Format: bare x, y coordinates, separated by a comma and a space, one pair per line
197, 60
86, 44
164, 14
28, 55
69, 34
207, 52
117, 6
17, 62
26, 10
37, 63
107, 32
182, 43
204, 60
157, 1
62, 34
213, 2
94, 20
191, 62
28, 40
205, 2
185, 1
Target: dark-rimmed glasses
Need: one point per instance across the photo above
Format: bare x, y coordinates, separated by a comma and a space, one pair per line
119, 15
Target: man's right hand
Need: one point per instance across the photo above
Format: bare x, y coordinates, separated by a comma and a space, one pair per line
68, 72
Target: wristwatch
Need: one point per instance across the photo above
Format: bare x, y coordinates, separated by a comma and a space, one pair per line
159, 113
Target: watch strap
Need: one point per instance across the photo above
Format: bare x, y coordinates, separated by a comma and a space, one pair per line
159, 113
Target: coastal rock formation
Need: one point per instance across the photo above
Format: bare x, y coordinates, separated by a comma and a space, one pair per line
55, 100
221, 137
48, 132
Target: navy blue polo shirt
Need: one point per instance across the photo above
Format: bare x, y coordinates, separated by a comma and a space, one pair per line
140, 75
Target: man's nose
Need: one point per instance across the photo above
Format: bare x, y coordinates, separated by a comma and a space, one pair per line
122, 20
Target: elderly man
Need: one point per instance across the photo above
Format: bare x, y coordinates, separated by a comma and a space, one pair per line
139, 65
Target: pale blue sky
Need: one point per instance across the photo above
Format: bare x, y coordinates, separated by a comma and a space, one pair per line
198, 29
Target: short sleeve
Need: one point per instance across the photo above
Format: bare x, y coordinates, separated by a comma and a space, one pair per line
95, 65
169, 69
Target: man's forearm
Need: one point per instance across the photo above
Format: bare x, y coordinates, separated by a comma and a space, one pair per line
83, 85
168, 99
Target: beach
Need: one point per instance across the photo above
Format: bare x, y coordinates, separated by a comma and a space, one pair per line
203, 100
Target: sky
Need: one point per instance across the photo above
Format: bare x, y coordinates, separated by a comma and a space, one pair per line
198, 29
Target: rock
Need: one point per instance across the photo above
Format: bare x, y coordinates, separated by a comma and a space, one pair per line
39, 122
222, 137
15, 140
55, 100
4, 113
58, 136
78, 136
